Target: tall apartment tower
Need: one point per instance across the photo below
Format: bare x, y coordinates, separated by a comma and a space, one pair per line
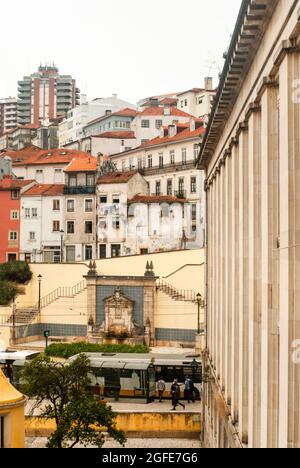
46, 95
8, 115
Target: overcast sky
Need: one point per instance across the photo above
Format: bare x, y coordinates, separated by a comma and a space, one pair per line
135, 48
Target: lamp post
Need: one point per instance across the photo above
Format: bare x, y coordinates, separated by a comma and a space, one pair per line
199, 305
40, 287
62, 246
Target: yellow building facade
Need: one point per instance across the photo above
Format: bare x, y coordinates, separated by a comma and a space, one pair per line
12, 419
65, 302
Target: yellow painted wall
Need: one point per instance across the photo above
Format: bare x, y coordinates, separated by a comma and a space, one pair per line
182, 269
159, 423
14, 427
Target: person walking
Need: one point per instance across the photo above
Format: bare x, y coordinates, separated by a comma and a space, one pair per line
189, 390
175, 391
161, 387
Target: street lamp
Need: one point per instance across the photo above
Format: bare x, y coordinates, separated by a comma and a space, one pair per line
199, 305
40, 285
62, 246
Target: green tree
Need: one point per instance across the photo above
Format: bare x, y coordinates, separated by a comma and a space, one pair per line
7, 292
61, 392
15, 272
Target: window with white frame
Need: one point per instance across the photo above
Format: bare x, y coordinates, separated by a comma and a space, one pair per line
193, 184
13, 236
32, 236
34, 212
158, 124
89, 205
56, 205
161, 160
27, 212
172, 157
70, 206
150, 161
183, 154
14, 215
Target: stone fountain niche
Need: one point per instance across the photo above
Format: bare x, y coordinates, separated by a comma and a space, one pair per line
119, 318
121, 308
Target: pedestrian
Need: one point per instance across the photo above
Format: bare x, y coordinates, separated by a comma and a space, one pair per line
189, 390
161, 387
175, 391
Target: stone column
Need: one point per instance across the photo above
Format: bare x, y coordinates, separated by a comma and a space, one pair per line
289, 243
254, 278
269, 255
227, 276
243, 284
91, 282
234, 289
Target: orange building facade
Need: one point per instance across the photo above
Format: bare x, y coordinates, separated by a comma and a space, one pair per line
10, 217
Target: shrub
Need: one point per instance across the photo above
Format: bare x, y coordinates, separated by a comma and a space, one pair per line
64, 350
15, 272
7, 292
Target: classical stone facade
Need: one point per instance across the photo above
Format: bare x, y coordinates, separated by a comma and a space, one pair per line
252, 157
121, 308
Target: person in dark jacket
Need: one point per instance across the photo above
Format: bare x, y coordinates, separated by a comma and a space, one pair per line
175, 391
189, 390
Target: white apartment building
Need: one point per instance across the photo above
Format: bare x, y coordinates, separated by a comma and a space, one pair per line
198, 101
132, 222
113, 192
147, 123
168, 165
8, 114
72, 128
42, 219
109, 143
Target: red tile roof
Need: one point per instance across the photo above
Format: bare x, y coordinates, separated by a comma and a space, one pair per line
117, 135
150, 199
86, 164
117, 177
14, 184
185, 134
161, 111
33, 156
47, 190
171, 101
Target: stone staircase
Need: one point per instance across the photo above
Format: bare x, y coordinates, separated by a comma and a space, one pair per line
28, 316
182, 295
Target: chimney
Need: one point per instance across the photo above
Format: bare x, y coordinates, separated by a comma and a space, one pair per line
208, 83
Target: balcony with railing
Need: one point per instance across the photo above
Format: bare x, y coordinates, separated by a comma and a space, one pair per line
167, 168
181, 194
80, 190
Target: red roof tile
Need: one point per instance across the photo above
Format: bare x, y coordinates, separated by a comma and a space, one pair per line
86, 164
33, 156
185, 134
117, 135
47, 190
117, 177
161, 111
150, 199
14, 184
